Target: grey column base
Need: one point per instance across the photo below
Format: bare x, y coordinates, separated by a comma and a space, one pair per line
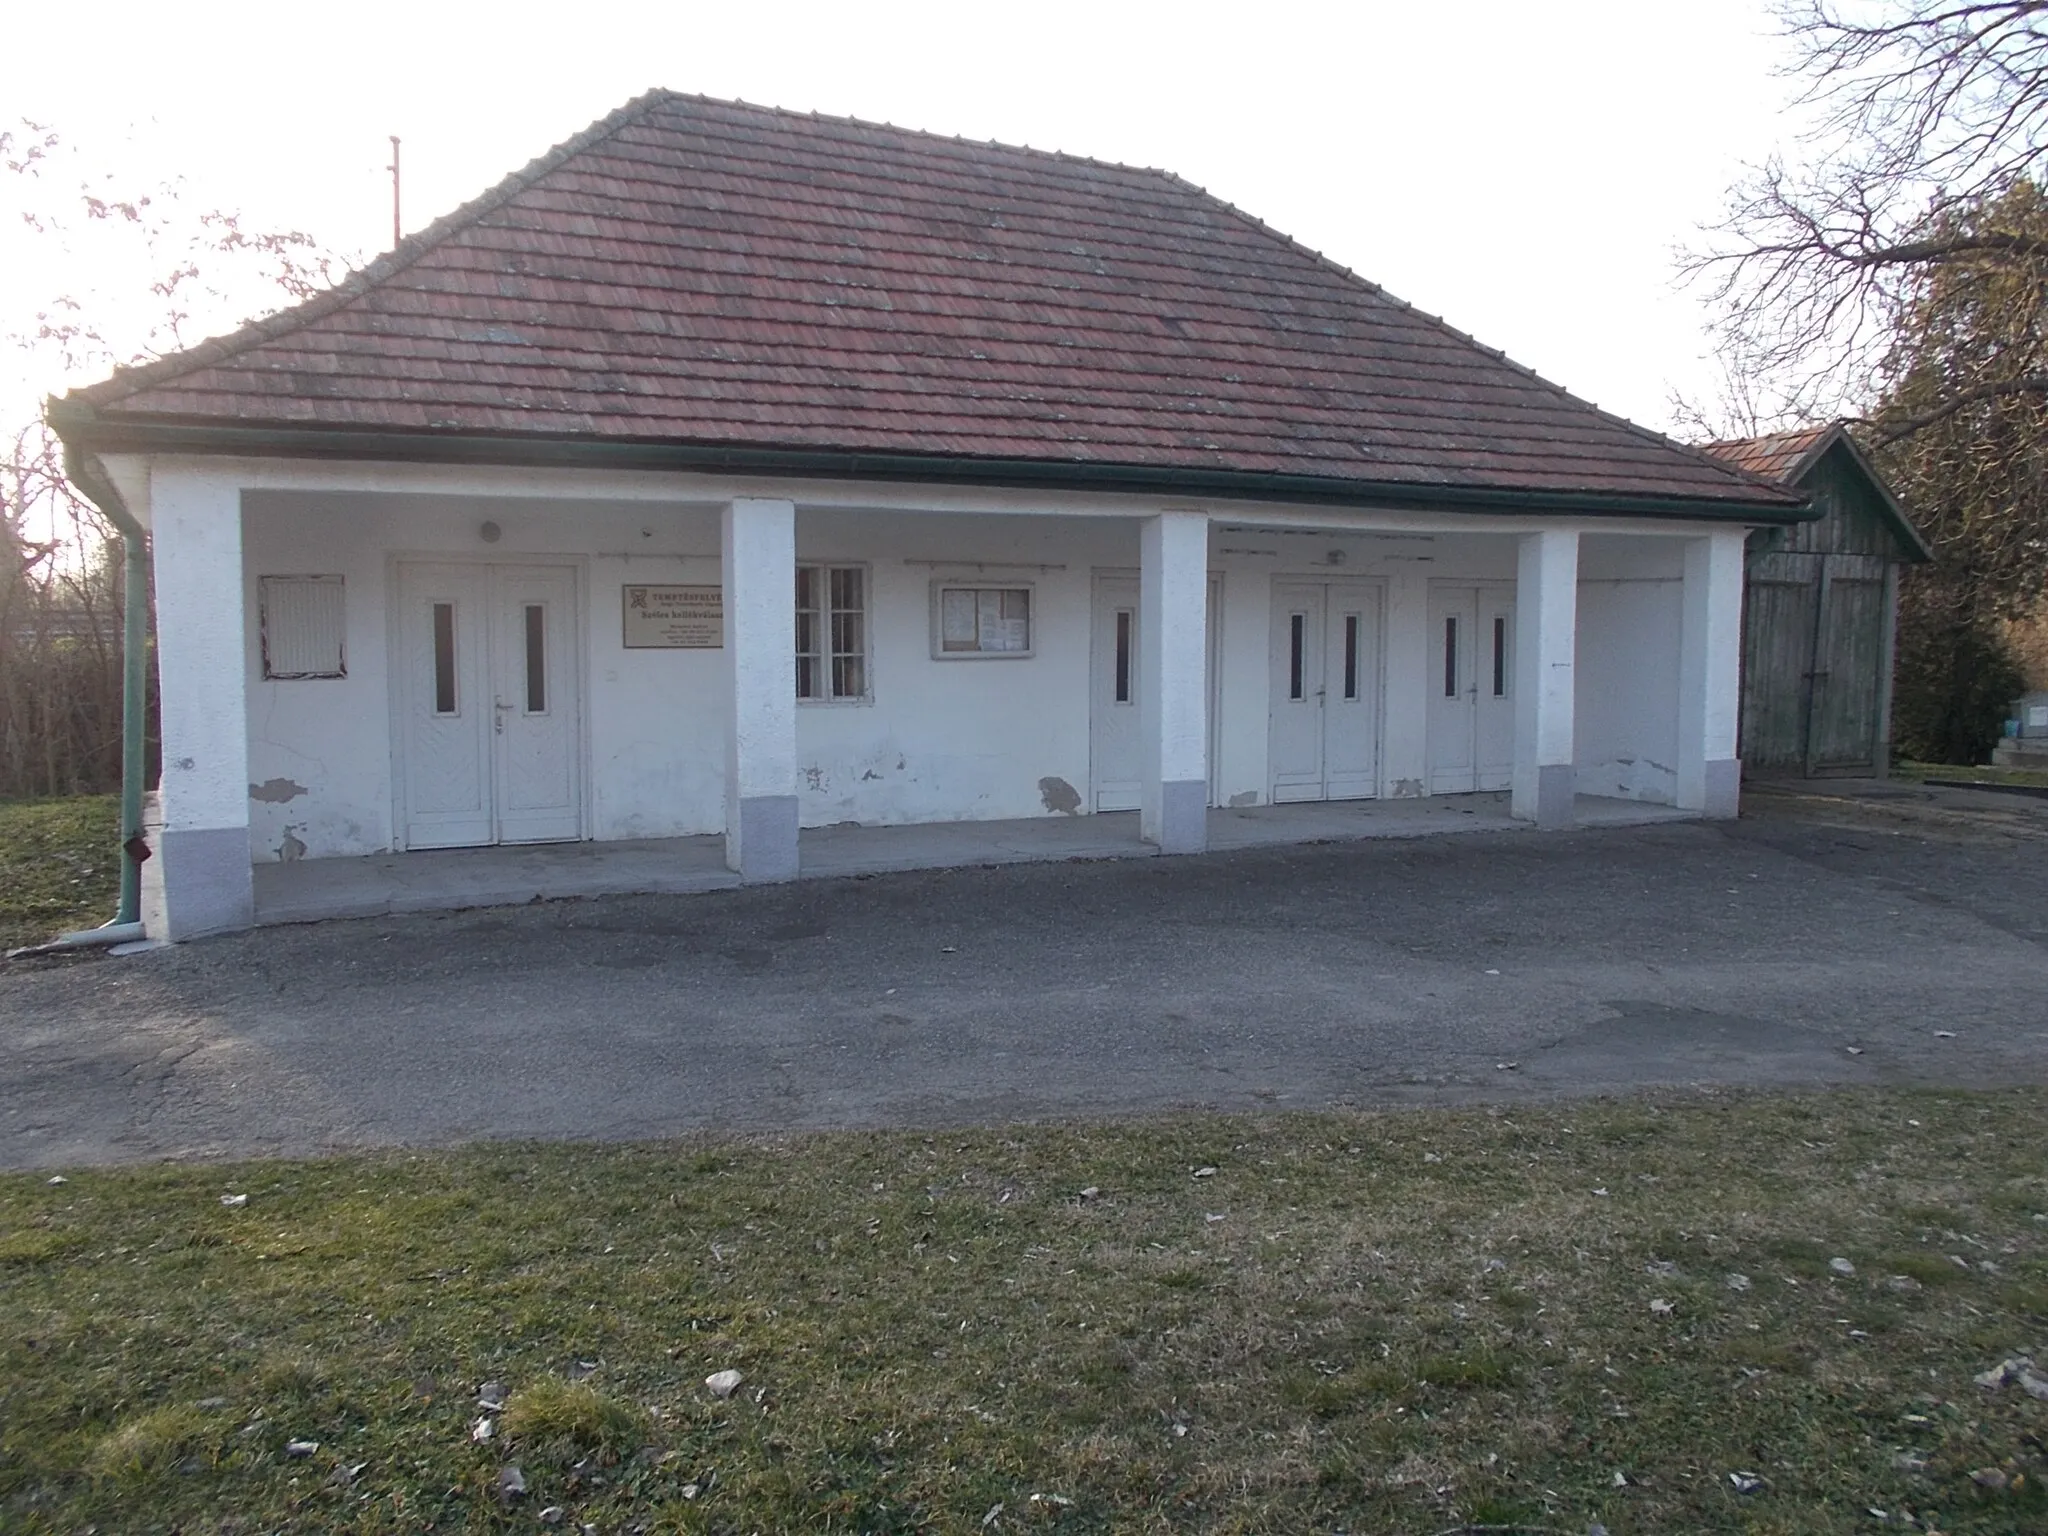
1724, 789
1183, 822
1555, 789
206, 883
760, 840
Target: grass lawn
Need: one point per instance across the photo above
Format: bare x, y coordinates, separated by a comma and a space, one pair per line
59, 866
1409, 1322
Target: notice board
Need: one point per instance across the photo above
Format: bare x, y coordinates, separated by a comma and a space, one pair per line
674, 618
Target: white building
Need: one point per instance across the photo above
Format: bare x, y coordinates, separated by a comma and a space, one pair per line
737, 471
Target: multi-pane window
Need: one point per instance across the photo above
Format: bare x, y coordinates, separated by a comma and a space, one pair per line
831, 632
981, 621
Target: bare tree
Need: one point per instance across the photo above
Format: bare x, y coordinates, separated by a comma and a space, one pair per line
177, 275
1918, 110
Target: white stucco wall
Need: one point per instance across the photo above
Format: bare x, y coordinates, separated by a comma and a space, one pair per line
320, 750
1631, 594
1250, 559
953, 739
940, 739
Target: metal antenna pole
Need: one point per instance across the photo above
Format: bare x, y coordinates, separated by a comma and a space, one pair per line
397, 225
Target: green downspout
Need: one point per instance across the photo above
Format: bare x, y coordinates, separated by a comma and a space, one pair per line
86, 473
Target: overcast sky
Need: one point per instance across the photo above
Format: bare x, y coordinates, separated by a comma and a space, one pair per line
1525, 170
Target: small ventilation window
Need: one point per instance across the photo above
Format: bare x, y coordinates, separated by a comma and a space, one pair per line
444, 658
303, 627
536, 659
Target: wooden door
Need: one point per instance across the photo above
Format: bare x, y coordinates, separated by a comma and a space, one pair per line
1848, 669
1781, 606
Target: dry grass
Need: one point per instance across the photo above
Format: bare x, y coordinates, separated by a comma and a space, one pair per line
1399, 1322
2031, 778
60, 866
567, 1420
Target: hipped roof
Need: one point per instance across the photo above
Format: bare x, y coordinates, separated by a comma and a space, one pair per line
709, 282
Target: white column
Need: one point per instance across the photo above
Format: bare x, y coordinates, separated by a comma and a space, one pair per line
1546, 643
1710, 674
1404, 730
1173, 618
201, 882
760, 663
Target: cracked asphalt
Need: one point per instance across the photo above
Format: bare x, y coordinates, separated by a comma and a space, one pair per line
1896, 938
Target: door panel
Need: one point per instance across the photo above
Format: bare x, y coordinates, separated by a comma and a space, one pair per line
1324, 739
1351, 694
446, 706
1846, 675
1471, 687
490, 733
1777, 646
1295, 746
1114, 750
535, 701
1494, 688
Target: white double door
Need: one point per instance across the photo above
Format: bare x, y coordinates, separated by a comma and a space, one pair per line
1115, 746
489, 708
1324, 741
1471, 687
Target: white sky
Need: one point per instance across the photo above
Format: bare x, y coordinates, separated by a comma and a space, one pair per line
1524, 169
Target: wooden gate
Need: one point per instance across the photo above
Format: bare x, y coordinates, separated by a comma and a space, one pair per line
1815, 659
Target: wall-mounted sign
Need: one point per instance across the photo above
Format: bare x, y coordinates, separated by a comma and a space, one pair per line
674, 618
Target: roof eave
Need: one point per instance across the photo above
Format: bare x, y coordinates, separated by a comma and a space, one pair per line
79, 424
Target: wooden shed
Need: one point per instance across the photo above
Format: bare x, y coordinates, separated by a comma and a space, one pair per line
1821, 609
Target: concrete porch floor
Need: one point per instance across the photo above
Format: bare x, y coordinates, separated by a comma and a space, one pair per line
444, 879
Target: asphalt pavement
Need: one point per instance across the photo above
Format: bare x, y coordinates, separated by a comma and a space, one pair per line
1889, 936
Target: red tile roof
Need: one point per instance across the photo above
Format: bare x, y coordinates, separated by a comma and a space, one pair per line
1777, 456
695, 272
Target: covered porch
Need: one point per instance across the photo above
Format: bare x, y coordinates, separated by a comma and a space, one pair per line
311, 890
425, 687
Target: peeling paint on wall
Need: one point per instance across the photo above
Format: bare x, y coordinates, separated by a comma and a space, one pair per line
277, 791
291, 850
1249, 797
815, 778
1060, 796
1407, 789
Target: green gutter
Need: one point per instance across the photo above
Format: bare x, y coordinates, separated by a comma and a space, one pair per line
81, 426
85, 472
